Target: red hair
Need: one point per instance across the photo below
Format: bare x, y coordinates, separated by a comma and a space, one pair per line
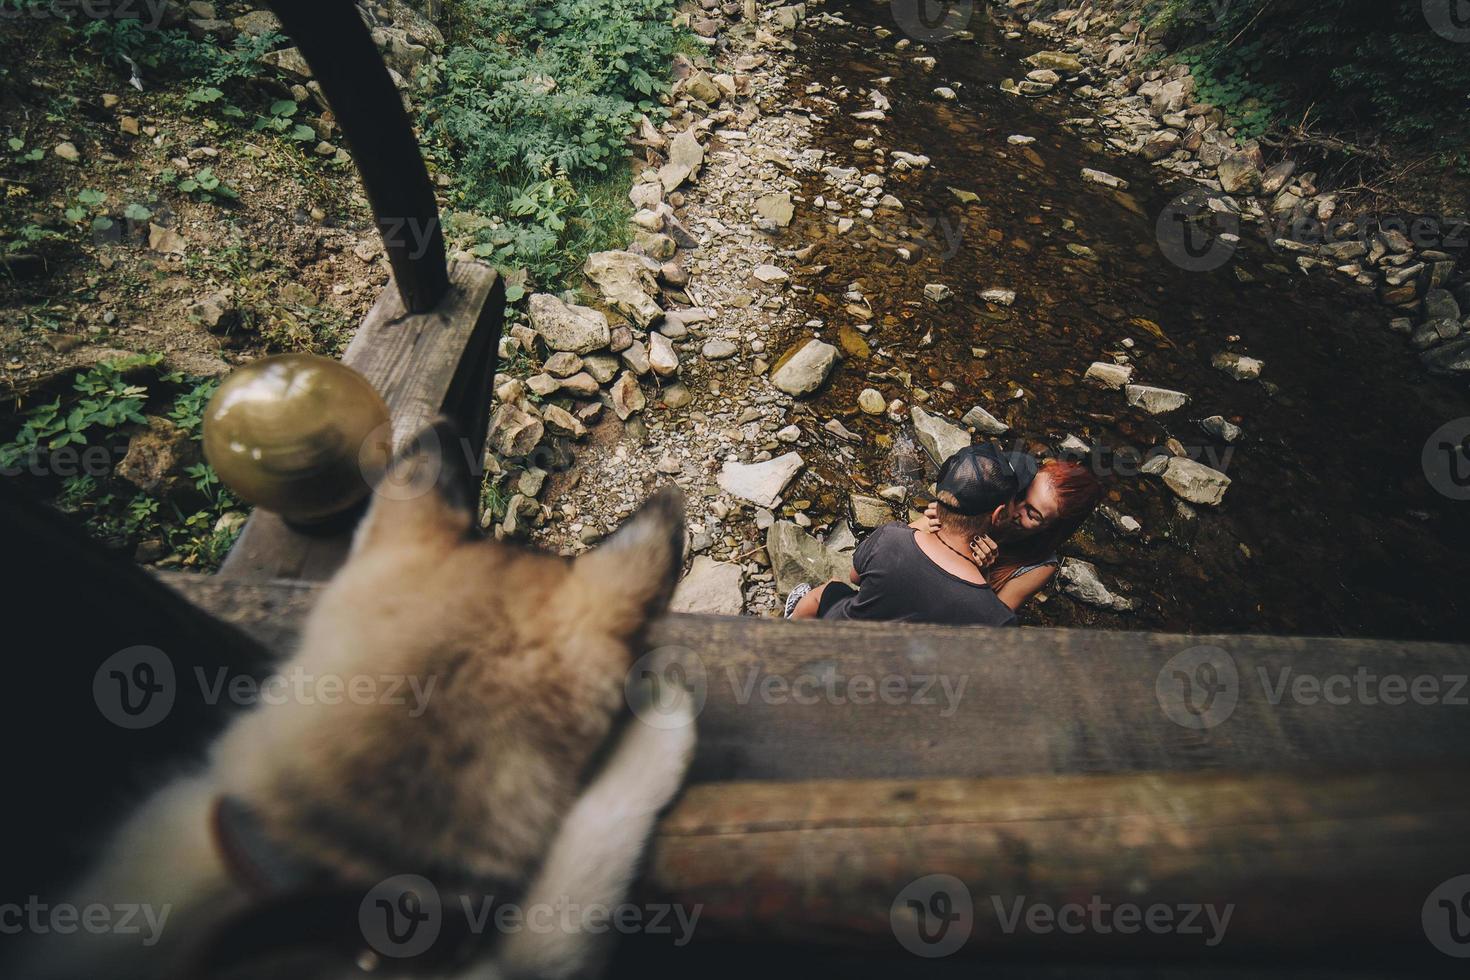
1078, 494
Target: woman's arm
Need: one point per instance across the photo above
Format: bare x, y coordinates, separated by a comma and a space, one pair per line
1021, 588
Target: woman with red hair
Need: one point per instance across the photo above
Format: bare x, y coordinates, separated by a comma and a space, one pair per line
1021, 554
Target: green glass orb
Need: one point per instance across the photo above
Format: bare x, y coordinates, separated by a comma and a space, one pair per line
298, 434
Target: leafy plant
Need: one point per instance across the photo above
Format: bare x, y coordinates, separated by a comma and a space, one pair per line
281, 119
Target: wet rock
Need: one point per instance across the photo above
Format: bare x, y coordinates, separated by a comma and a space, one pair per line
1434, 332
712, 588
984, 423
1450, 359
1155, 401
869, 512
627, 396
760, 483
514, 432
941, 439
157, 458
937, 292
804, 371
776, 208
1238, 366
567, 327
1239, 174
797, 557
1221, 428
1000, 297
1195, 482
627, 283
946, 93
1104, 178
1079, 579
1110, 375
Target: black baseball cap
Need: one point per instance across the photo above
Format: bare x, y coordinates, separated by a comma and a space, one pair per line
979, 478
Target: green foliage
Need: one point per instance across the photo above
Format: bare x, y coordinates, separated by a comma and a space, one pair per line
105, 404
532, 108
1372, 64
204, 185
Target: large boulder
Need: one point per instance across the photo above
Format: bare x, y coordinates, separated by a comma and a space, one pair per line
627, 283
713, 588
760, 483
798, 557
804, 371
568, 327
940, 439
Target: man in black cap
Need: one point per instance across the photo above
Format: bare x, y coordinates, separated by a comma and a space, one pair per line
908, 575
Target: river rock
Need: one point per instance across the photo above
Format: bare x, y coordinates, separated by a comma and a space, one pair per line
661, 356
797, 557
1055, 60
1239, 174
1196, 482
1221, 428
776, 207
869, 512
686, 156
627, 283
627, 396
804, 371
871, 402
1238, 366
712, 588
937, 292
514, 432
760, 483
1155, 401
984, 423
1000, 297
1079, 579
1449, 359
1161, 144
1103, 178
1110, 375
941, 439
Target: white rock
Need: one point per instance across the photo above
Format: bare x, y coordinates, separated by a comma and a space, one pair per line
1079, 579
760, 483
984, 423
1000, 297
1238, 366
937, 292
804, 371
1155, 401
568, 327
661, 355
1110, 375
1105, 179
941, 439
712, 588
770, 274
1196, 482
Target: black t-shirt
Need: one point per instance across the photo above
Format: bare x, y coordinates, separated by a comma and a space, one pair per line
902, 584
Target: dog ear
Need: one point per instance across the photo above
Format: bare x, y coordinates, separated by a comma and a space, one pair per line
635, 570
426, 493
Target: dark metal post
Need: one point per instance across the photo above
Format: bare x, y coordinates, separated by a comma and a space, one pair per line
336, 43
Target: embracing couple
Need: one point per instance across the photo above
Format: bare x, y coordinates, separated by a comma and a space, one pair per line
986, 545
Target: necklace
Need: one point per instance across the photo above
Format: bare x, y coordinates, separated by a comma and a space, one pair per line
968, 558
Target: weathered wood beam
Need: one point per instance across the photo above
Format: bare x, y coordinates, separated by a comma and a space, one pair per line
787, 700
423, 364
1308, 864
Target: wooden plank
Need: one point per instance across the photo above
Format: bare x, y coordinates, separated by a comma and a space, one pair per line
1307, 863
785, 700
335, 41
422, 364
